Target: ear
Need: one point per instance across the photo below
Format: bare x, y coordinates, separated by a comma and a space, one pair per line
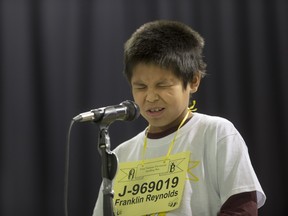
194, 84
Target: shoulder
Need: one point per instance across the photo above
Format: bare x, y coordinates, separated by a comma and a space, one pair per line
131, 145
214, 124
129, 142
222, 136
212, 120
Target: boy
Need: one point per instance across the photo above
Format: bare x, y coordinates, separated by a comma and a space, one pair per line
183, 163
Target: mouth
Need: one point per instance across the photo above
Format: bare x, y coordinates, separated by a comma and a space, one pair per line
155, 111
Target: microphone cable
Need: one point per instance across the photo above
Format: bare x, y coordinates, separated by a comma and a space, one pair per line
66, 169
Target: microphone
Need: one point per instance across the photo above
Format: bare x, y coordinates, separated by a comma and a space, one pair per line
125, 111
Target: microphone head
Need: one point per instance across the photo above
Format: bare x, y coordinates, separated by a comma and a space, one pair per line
133, 110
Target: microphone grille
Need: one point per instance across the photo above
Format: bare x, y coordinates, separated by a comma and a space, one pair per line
133, 110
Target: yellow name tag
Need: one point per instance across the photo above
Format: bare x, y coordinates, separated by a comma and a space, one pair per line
150, 186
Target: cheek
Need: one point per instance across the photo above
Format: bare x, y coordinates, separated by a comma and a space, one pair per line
181, 101
137, 97
175, 96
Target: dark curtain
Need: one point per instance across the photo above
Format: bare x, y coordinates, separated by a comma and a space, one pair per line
62, 57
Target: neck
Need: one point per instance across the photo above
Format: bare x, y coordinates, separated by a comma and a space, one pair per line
166, 132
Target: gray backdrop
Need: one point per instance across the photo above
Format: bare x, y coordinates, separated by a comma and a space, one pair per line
62, 57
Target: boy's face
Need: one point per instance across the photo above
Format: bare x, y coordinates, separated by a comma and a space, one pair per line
161, 96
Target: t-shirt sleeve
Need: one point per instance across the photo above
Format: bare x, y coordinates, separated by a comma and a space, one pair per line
240, 204
235, 173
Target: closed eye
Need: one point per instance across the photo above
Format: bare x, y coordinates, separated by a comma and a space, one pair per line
164, 85
139, 86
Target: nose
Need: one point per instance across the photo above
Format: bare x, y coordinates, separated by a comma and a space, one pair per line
152, 96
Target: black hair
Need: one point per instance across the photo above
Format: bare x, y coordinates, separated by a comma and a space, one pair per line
168, 44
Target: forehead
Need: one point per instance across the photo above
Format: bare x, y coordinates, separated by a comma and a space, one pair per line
149, 72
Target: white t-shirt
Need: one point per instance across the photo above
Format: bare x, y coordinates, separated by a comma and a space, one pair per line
223, 167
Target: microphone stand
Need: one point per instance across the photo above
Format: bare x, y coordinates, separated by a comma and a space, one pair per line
109, 168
